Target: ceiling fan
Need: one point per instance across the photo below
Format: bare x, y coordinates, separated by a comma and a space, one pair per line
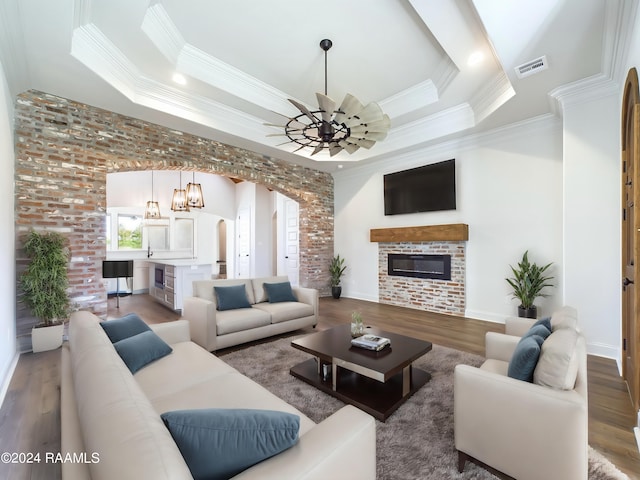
350, 127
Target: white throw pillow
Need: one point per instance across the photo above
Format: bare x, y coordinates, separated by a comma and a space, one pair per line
566, 317
558, 363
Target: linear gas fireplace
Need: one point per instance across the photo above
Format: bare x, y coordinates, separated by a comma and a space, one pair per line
436, 267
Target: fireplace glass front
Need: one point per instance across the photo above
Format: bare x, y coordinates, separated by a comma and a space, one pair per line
420, 266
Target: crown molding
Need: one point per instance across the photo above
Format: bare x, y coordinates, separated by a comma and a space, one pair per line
440, 124
420, 95
198, 109
81, 13
618, 27
92, 48
194, 62
581, 91
162, 32
494, 94
422, 155
446, 72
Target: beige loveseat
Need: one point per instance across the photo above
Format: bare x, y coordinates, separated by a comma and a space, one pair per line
111, 421
526, 430
213, 329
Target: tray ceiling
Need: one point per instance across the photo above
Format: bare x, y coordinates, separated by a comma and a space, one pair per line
242, 60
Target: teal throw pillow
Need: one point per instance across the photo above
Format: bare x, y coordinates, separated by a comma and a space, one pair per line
141, 349
230, 298
525, 358
546, 321
124, 327
221, 443
279, 292
540, 330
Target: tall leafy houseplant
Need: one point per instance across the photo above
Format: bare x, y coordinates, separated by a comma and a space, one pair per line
44, 284
527, 282
336, 270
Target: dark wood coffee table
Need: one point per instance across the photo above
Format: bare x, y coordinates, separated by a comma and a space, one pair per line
376, 382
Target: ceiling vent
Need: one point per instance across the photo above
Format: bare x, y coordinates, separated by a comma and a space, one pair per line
533, 66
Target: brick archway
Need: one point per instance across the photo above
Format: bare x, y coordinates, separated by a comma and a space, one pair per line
64, 150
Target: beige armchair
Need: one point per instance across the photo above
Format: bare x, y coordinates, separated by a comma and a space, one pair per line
526, 430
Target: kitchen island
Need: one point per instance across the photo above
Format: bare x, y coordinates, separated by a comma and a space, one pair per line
170, 281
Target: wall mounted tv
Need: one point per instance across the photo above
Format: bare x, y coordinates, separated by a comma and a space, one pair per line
428, 188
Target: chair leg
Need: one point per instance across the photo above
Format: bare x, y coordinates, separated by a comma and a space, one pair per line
462, 460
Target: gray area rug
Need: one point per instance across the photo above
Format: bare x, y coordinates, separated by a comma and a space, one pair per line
416, 442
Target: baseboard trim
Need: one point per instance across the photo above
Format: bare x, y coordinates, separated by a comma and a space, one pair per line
636, 430
603, 350
6, 381
486, 316
360, 296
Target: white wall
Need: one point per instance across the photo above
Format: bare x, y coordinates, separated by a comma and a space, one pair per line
218, 191
592, 212
263, 252
222, 199
8, 355
509, 192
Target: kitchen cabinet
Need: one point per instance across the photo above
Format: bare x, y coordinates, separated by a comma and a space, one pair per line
170, 281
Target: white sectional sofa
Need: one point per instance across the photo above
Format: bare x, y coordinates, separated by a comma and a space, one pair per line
113, 417
213, 329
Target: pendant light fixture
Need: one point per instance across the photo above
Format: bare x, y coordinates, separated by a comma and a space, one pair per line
348, 127
195, 199
179, 200
152, 210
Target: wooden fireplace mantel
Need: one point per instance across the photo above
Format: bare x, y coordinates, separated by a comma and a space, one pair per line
454, 232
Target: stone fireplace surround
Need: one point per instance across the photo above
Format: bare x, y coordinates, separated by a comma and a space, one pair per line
439, 296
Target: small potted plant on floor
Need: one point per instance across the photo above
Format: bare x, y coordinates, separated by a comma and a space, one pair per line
44, 285
527, 282
336, 270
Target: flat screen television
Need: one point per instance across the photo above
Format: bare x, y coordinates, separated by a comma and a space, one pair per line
428, 188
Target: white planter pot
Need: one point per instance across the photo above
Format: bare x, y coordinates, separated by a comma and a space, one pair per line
46, 338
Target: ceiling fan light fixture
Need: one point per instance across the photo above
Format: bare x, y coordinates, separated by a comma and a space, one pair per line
351, 126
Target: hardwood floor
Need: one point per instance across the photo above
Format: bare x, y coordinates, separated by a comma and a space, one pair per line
30, 414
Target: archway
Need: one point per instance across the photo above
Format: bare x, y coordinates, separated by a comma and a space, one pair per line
64, 150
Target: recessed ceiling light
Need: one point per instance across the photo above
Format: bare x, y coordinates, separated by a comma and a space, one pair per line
475, 58
179, 79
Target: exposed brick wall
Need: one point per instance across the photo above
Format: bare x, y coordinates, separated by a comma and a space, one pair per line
65, 149
438, 296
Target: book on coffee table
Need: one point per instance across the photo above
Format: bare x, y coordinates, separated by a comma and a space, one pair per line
371, 342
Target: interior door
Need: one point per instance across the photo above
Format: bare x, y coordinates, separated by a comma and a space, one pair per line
630, 242
292, 255
244, 242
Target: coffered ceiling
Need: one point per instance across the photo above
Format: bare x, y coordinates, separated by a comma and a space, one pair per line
437, 68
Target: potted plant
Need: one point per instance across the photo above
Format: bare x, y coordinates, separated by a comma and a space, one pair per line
357, 326
336, 270
44, 285
527, 282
